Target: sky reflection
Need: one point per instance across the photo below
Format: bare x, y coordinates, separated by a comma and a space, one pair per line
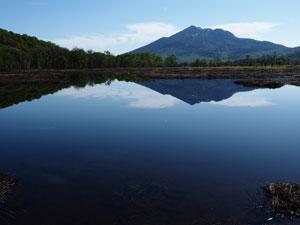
138, 96
246, 99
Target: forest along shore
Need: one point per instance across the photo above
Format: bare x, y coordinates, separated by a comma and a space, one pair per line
61, 76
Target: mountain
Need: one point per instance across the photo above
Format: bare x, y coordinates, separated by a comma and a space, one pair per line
294, 53
194, 91
195, 42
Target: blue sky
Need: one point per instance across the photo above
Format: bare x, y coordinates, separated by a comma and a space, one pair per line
122, 26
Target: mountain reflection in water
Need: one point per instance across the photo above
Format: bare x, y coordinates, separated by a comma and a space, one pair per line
194, 91
191, 91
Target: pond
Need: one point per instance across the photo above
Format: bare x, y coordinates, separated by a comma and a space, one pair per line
146, 152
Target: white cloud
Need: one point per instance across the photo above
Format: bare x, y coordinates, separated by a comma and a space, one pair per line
248, 30
147, 32
137, 34
245, 99
139, 97
96, 42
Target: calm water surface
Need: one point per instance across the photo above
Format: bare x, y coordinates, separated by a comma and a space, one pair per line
182, 152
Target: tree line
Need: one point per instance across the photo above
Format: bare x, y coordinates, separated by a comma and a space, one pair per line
265, 60
25, 52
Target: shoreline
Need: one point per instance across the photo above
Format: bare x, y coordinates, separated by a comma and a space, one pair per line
61, 76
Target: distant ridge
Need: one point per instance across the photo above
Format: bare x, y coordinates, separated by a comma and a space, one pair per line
195, 42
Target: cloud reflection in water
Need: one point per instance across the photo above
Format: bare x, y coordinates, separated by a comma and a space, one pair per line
245, 99
139, 97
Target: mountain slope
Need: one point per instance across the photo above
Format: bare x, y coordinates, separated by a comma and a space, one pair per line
194, 42
294, 53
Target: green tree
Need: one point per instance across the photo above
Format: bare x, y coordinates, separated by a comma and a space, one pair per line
228, 61
1, 62
199, 63
249, 61
170, 61
158, 61
212, 63
78, 58
218, 61
196, 63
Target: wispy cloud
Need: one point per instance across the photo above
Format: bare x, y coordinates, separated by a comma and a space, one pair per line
254, 30
137, 34
138, 97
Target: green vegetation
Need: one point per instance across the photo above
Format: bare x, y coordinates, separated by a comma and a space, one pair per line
170, 61
248, 61
25, 52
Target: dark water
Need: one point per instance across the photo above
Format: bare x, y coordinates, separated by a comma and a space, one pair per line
182, 152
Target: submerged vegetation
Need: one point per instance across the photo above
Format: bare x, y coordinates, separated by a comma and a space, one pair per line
6, 184
284, 198
25, 52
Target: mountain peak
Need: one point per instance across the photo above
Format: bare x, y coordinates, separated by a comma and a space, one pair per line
192, 27
196, 42
194, 33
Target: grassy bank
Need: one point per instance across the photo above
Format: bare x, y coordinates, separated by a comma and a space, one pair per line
57, 76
